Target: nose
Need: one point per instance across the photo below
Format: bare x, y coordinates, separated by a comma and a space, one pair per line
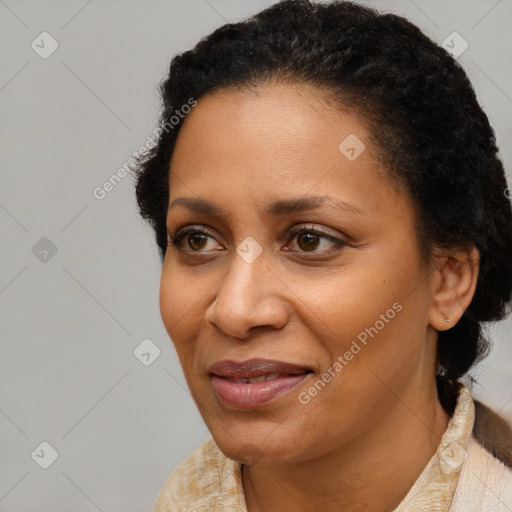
248, 297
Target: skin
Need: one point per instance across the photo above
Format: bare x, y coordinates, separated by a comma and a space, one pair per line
363, 440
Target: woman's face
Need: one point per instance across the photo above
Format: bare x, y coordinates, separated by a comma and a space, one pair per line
346, 300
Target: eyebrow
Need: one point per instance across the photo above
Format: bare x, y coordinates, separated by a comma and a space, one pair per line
275, 209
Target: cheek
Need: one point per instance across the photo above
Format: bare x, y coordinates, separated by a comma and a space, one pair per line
169, 305
176, 306
374, 305
181, 295
183, 302
343, 303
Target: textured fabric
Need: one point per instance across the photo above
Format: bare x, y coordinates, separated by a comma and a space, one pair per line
485, 483
460, 477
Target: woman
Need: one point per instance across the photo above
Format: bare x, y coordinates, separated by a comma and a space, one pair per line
332, 214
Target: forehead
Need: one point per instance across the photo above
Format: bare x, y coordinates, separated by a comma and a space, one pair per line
275, 140
281, 121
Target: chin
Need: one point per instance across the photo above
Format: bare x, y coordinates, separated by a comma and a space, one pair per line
256, 447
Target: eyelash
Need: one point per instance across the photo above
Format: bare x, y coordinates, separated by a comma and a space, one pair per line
175, 239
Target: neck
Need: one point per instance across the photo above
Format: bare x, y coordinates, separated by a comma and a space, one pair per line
373, 471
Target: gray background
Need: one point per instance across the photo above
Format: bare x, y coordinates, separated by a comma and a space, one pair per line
71, 320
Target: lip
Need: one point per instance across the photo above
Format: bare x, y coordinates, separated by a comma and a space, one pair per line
249, 395
254, 368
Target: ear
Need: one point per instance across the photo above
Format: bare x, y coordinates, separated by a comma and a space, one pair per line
454, 283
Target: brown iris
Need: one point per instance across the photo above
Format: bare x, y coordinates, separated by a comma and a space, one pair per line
311, 241
196, 241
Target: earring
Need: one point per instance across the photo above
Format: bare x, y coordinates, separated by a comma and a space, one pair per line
446, 318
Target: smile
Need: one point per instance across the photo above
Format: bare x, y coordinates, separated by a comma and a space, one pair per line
254, 383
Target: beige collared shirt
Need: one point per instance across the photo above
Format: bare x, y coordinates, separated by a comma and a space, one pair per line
460, 477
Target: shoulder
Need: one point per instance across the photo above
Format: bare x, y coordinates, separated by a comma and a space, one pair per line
485, 483
205, 480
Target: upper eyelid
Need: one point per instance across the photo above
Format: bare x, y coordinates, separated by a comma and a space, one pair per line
207, 230
191, 229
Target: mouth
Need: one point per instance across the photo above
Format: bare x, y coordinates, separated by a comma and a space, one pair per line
255, 382
252, 380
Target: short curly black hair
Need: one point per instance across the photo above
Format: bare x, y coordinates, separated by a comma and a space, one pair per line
431, 134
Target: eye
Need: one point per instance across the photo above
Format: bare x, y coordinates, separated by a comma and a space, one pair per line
196, 239
309, 239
